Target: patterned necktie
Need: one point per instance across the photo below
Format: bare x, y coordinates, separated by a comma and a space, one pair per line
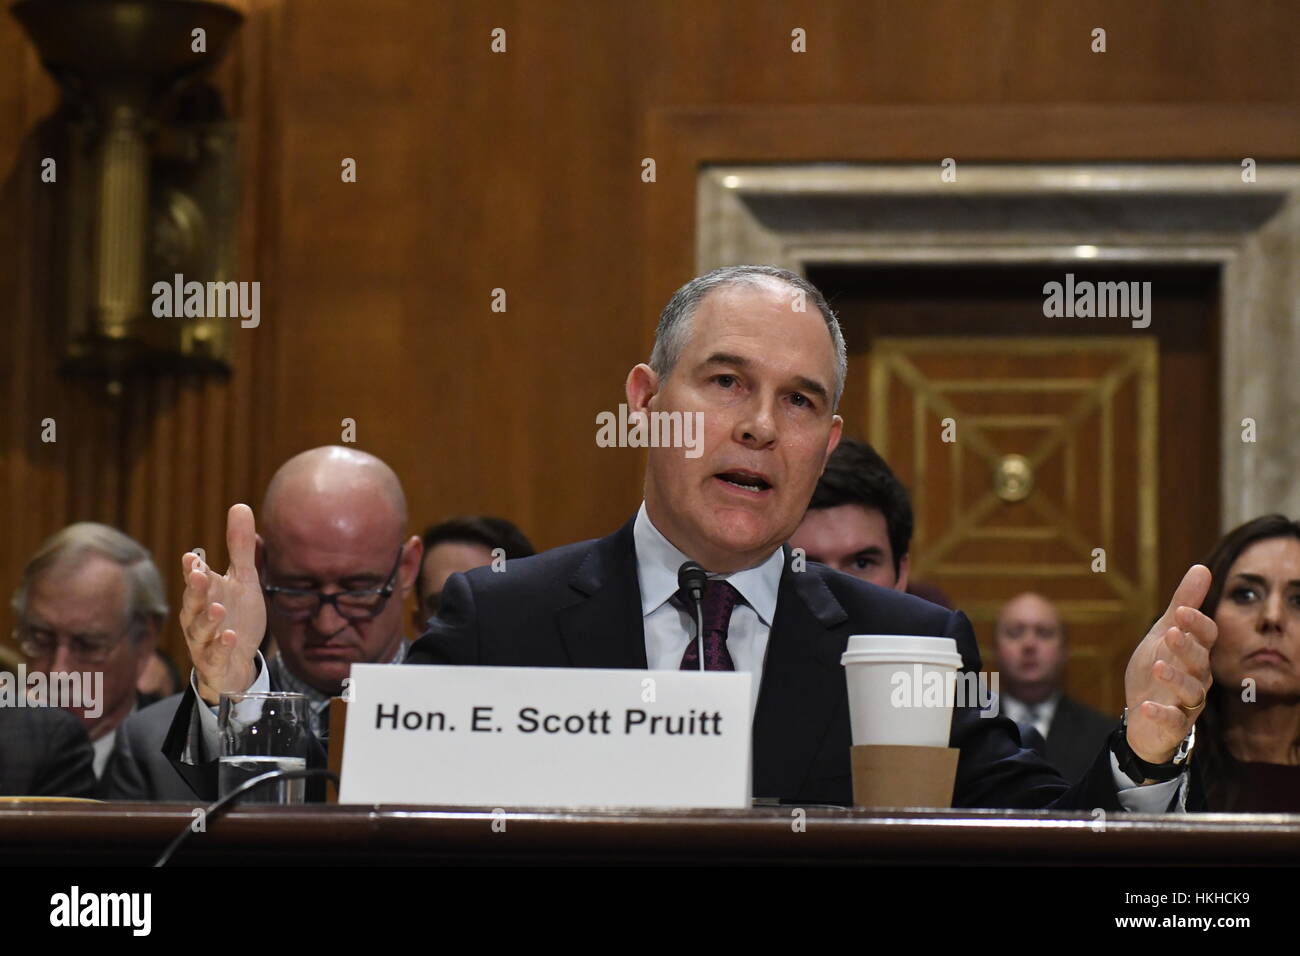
720, 598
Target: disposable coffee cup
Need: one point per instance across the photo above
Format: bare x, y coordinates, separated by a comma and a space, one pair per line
901, 689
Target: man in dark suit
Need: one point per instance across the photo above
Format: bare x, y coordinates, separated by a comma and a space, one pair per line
1030, 643
338, 565
44, 752
860, 518
741, 349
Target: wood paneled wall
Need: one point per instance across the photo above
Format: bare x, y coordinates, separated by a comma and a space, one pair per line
519, 171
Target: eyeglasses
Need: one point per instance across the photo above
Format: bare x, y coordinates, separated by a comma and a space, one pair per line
301, 604
38, 642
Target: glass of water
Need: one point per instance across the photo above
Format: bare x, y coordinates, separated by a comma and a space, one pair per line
261, 733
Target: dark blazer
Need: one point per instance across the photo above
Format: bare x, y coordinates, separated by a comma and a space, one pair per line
138, 770
176, 738
580, 606
44, 752
1074, 736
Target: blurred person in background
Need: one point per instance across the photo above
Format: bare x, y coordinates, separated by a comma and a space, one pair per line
461, 544
91, 602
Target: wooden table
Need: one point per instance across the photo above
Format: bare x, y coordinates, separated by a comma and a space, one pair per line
134, 834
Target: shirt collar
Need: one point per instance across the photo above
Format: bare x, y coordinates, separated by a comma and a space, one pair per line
657, 561
1018, 709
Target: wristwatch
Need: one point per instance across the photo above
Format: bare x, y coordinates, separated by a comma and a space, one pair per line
1137, 769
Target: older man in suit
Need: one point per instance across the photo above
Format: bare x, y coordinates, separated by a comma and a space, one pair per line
91, 603
757, 351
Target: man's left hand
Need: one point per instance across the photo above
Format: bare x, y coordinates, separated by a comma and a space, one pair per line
1168, 676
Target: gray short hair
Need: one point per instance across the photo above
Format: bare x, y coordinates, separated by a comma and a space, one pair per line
675, 327
146, 597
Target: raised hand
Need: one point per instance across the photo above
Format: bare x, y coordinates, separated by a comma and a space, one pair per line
224, 615
1168, 675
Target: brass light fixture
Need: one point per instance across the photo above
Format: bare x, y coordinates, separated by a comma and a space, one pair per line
145, 161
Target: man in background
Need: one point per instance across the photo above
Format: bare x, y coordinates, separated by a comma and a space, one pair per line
860, 518
91, 603
336, 567
461, 544
1030, 646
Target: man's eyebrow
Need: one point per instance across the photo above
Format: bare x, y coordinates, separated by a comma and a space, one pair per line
738, 361
872, 551
726, 358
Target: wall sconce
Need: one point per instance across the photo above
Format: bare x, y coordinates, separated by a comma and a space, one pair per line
146, 161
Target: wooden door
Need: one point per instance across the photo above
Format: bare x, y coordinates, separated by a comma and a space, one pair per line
1029, 443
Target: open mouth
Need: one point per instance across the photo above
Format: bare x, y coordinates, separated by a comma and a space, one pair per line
749, 481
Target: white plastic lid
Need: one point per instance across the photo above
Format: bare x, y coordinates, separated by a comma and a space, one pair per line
901, 649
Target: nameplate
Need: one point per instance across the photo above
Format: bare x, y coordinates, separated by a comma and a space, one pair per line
546, 737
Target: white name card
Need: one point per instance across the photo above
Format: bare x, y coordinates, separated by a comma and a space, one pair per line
546, 737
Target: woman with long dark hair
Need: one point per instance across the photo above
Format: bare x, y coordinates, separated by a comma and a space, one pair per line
1248, 738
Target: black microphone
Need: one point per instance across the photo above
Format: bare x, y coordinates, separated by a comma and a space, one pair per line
691, 579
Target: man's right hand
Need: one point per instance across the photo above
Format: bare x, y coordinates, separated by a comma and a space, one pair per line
224, 615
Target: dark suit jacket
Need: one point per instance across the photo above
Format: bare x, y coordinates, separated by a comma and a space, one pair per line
137, 770
44, 752
176, 738
1076, 732
580, 606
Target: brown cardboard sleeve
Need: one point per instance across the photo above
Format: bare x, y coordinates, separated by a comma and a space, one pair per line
903, 776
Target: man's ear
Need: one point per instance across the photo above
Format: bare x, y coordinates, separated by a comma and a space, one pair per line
901, 583
259, 558
642, 385
409, 568
837, 429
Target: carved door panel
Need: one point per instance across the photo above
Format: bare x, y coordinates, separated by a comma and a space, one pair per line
1032, 466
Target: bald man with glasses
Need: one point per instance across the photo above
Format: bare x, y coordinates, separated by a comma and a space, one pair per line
335, 565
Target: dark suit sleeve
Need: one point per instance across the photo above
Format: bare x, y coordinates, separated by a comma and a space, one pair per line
66, 766
183, 747
994, 770
123, 777
453, 635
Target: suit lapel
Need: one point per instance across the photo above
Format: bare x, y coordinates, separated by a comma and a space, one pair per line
803, 682
602, 627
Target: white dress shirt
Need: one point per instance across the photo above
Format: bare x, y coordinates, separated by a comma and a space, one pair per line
669, 629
